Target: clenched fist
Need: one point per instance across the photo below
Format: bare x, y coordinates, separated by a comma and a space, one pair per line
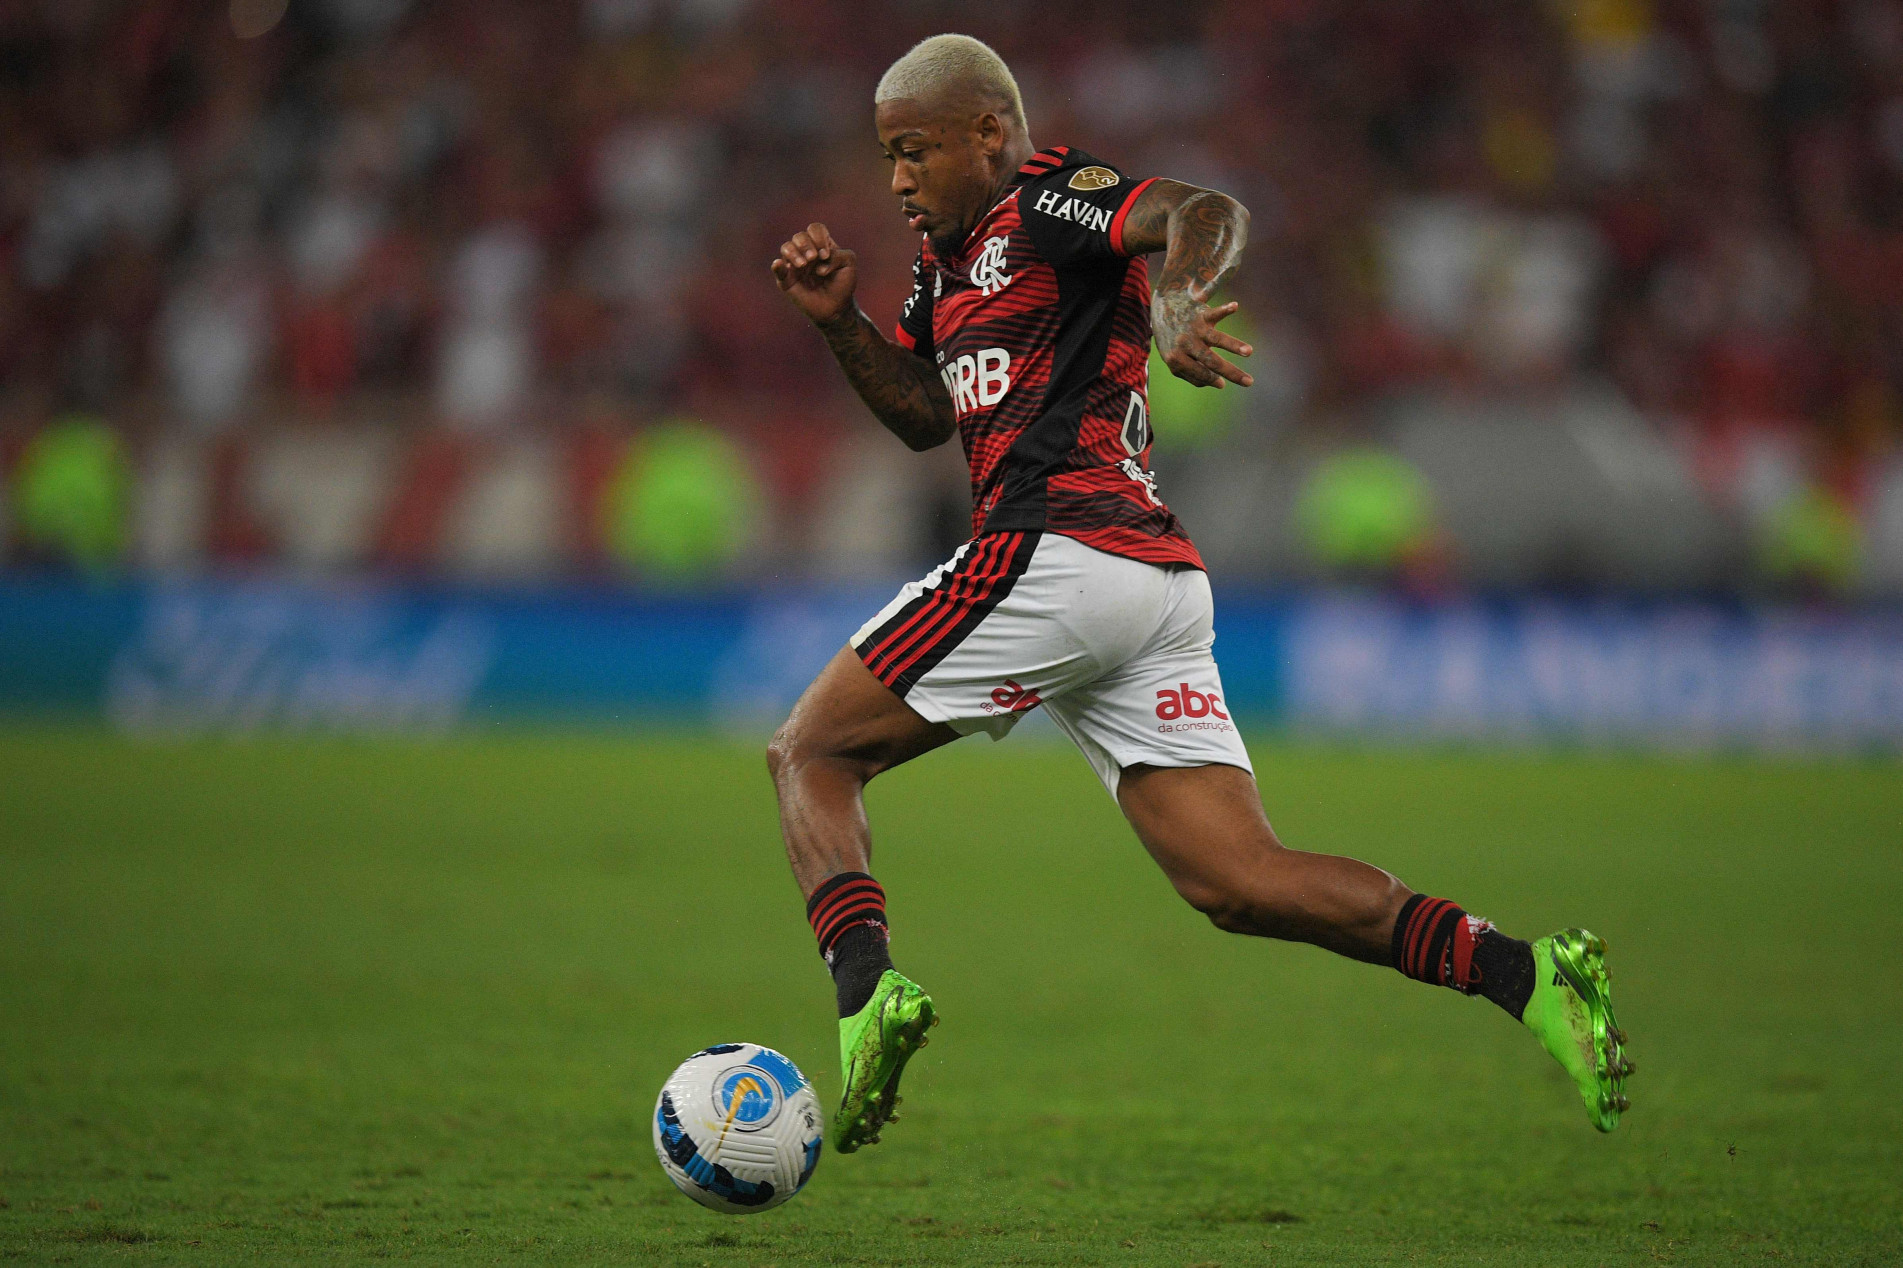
818, 275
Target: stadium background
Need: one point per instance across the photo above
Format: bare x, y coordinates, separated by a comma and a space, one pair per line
1586, 300
413, 368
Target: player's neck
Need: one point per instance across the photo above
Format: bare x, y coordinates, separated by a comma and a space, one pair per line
1014, 155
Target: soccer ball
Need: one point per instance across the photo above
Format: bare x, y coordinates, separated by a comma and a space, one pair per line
738, 1128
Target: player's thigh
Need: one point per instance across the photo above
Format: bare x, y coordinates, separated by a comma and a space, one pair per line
847, 713
1012, 621
1163, 707
1204, 826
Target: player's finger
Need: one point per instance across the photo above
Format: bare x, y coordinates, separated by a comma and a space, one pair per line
801, 264
1228, 342
782, 274
1213, 315
804, 251
1234, 373
822, 239
1190, 370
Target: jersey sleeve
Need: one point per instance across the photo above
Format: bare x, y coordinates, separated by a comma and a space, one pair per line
1076, 212
914, 330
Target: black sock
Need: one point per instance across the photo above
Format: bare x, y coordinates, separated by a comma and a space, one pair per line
1505, 966
847, 912
1438, 943
860, 959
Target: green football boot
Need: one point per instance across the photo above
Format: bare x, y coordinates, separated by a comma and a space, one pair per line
874, 1045
1571, 1012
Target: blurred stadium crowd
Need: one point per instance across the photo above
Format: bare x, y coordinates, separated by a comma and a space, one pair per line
1607, 292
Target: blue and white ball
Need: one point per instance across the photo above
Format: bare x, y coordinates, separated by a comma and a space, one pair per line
738, 1129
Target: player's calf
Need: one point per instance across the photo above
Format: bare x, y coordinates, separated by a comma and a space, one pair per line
1295, 896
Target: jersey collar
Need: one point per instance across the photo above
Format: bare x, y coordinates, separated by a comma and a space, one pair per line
1043, 163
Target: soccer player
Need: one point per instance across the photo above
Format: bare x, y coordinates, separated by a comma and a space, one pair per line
1027, 335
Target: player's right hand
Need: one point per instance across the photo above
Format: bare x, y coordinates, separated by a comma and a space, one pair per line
817, 274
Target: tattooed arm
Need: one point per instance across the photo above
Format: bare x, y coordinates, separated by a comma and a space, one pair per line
902, 390
1202, 233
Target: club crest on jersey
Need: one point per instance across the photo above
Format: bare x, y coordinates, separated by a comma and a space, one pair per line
988, 274
1093, 178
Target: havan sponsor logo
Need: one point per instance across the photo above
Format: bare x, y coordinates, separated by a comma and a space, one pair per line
1051, 203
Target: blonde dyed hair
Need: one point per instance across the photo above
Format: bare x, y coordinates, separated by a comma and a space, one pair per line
946, 66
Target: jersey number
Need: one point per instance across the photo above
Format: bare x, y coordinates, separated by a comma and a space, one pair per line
1136, 426
1136, 438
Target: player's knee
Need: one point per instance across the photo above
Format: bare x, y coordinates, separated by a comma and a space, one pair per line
795, 747
1226, 906
782, 750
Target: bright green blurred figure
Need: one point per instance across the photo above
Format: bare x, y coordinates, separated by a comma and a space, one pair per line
684, 504
1812, 539
1365, 509
71, 493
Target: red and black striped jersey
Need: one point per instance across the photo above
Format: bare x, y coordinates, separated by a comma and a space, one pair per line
1040, 327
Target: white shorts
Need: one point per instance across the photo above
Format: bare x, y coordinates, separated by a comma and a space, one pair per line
1116, 651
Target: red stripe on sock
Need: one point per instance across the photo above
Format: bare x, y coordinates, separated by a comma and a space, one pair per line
1463, 953
1413, 933
872, 911
844, 896
1420, 936
832, 911
860, 901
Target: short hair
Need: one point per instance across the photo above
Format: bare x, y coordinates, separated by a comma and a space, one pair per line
943, 63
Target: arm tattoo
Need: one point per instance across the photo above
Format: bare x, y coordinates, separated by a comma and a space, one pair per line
1202, 231
1206, 234
901, 389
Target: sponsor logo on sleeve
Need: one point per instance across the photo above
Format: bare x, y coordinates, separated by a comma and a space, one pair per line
1058, 207
1093, 178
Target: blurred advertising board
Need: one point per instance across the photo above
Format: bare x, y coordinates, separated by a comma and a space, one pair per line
233, 656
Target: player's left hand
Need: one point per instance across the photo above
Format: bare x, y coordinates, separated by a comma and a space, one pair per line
1186, 335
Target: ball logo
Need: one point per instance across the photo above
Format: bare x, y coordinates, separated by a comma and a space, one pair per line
1184, 702
745, 1098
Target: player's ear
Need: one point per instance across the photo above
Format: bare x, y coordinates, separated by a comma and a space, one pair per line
990, 134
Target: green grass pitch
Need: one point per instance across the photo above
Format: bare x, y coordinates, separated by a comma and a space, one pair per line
335, 1001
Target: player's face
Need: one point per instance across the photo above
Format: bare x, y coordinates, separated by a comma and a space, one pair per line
942, 166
